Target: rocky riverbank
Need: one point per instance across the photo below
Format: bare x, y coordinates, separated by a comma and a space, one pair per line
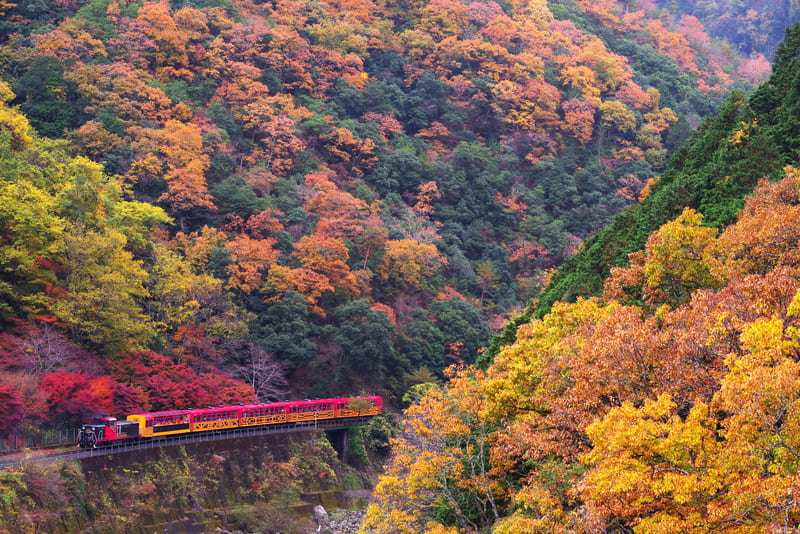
342, 522
337, 522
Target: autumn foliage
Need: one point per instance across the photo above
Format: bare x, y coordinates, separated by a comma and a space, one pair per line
668, 405
216, 113
222, 201
346, 190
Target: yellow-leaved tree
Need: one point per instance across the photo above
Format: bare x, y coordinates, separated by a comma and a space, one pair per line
440, 460
725, 466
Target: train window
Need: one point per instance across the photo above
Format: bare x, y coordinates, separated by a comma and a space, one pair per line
262, 412
217, 416
271, 411
171, 419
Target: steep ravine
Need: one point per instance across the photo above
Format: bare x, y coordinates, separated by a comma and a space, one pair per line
266, 484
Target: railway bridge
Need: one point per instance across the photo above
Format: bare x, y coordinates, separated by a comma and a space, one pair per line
335, 428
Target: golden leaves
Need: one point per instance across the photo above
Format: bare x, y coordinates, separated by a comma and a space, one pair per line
766, 233
411, 262
251, 260
674, 267
12, 122
680, 414
441, 454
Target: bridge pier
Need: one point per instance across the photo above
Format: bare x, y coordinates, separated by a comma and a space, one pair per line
338, 438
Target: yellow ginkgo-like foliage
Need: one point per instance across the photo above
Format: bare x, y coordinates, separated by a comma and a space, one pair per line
13, 124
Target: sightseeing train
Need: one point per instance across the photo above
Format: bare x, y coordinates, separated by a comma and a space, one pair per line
108, 430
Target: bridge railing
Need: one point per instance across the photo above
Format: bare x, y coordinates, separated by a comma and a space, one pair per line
38, 438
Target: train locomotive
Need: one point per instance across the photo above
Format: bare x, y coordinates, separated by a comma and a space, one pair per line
108, 430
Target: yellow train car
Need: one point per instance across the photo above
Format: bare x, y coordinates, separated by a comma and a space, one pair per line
215, 418
167, 423
311, 410
268, 414
163, 423
359, 406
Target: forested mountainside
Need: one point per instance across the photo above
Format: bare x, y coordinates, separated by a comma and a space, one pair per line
749, 139
753, 28
204, 201
669, 402
750, 26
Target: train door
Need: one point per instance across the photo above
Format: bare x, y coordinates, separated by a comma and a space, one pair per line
110, 427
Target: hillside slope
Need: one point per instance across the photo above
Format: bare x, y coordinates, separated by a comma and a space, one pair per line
753, 27
668, 403
311, 197
751, 138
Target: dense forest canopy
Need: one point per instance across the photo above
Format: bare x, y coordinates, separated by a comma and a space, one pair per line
747, 140
249, 199
750, 26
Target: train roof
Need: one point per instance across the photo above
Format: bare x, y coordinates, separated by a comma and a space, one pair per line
212, 409
165, 413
